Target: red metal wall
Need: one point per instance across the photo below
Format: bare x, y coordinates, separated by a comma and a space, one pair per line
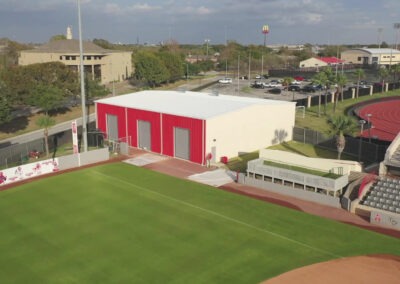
154, 118
196, 136
162, 141
103, 110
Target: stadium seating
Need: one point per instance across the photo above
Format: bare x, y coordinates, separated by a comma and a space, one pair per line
384, 194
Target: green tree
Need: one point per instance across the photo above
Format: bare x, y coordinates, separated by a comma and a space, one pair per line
45, 122
5, 106
360, 75
47, 98
174, 64
150, 68
339, 126
23, 80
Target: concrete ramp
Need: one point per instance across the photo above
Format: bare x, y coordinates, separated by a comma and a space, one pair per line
145, 159
216, 178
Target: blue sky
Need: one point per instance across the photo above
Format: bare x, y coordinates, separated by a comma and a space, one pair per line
187, 21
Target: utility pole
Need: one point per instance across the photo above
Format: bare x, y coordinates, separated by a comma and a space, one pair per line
82, 69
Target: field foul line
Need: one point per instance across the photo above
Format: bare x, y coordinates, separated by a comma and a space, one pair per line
221, 216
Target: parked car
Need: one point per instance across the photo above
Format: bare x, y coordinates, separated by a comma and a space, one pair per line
296, 82
275, 91
295, 88
309, 89
258, 76
258, 85
298, 78
275, 84
265, 76
225, 81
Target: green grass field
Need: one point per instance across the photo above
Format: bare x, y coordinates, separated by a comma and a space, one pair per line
121, 224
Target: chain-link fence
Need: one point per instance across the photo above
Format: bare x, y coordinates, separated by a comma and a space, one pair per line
19, 154
362, 150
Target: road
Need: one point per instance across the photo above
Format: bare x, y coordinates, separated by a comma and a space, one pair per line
34, 135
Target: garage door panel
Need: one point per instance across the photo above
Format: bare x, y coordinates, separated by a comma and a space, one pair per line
112, 127
144, 134
182, 143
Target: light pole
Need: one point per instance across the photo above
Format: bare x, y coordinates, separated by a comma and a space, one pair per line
396, 26
361, 122
369, 126
187, 72
83, 99
207, 41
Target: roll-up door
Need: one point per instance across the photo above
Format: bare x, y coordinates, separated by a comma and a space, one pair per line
182, 143
144, 133
112, 127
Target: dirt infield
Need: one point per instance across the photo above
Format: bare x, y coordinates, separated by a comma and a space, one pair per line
360, 269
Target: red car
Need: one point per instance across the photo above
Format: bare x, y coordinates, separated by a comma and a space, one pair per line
298, 78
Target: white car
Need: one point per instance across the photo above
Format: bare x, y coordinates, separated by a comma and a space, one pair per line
225, 81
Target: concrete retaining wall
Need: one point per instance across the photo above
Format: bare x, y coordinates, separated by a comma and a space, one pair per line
297, 193
82, 159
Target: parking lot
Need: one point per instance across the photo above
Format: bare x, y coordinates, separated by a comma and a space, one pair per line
243, 88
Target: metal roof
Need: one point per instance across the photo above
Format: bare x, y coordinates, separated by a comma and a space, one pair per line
188, 104
71, 46
376, 50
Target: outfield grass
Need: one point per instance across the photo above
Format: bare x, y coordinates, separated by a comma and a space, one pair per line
122, 224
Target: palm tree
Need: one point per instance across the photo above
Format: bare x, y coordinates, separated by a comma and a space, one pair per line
287, 81
383, 73
46, 122
395, 70
340, 125
360, 74
320, 79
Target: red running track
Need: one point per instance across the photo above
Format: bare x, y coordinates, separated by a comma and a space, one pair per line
384, 117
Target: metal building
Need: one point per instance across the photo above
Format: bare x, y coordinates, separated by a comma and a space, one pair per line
194, 126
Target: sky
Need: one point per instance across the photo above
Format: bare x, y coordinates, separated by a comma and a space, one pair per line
195, 22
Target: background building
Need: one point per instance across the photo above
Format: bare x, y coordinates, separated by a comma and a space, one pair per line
371, 56
102, 64
192, 125
316, 62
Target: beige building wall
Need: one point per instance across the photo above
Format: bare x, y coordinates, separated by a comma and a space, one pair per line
359, 56
106, 66
250, 129
312, 62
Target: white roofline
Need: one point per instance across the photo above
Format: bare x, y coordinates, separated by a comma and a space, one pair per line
188, 104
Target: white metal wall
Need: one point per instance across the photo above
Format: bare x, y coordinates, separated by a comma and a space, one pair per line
250, 129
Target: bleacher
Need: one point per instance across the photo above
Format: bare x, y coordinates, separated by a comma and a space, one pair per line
384, 194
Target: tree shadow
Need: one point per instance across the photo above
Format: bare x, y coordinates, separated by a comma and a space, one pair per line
16, 124
280, 136
292, 149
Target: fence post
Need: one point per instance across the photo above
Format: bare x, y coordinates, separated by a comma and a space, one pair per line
304, 135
